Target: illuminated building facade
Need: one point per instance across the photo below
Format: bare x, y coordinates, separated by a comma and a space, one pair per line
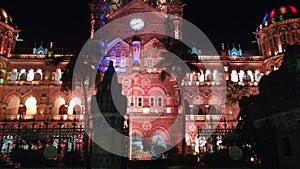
36, 86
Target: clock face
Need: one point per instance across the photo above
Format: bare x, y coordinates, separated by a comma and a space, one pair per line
136, 24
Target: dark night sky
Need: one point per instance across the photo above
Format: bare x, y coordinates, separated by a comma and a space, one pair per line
67, 23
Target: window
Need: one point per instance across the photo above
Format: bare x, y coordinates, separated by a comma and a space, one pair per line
284, 38
159, 102
287, 148
234, 76
58, 75
152, 102
149, 63
139, 101
131, 101
30, 75
123, 62
14, 75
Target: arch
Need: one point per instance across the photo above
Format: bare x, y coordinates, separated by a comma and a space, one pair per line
214, 110
234, 76
157, 87
22, 75
31, 105
73, 102
136, 87
216, 76
198, 99
278, 61
38, 75
162, 130
137, 140
30, 75
31, 94
14, 74
215, 99
7, 98
257, 75
270, 66
12, 101
294, 26
56, 95
250, 73
282, 28
77, 110
58, 75
139, 130
58, 102
241, 75
62, 110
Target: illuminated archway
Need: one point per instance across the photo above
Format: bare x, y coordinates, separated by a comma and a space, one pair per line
73, 102
31, 106
57, 103
13, 105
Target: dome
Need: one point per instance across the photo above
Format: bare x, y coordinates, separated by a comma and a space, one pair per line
6, 18
281, 12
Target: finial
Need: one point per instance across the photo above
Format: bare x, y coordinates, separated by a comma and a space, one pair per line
223, 46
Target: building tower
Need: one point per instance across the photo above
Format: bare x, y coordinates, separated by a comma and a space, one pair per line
9, 33
280, 26
98, 15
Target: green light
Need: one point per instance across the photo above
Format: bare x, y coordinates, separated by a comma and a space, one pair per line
281, 17
46, 76
273, 20
1, 81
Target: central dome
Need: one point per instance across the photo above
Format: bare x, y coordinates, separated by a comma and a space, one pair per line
6, 18
281, 12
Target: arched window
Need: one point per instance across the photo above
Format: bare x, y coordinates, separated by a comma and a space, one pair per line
216, 76
250, 73
257, 76
76, 110
13, 105
31, 104
14, 75
246, 78
157, 98
158, 145
38, 75
241, 75
62, 110
137, 141
214, 110
30, 75
73, 102
23, 75
57, 103
140, 101
234, 76
57, 75
208, 76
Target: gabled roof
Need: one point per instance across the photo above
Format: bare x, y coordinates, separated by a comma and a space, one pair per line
134, 6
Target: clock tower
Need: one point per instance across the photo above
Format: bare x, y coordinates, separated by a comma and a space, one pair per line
153, 104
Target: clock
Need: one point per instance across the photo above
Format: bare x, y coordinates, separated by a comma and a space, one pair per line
136, 24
